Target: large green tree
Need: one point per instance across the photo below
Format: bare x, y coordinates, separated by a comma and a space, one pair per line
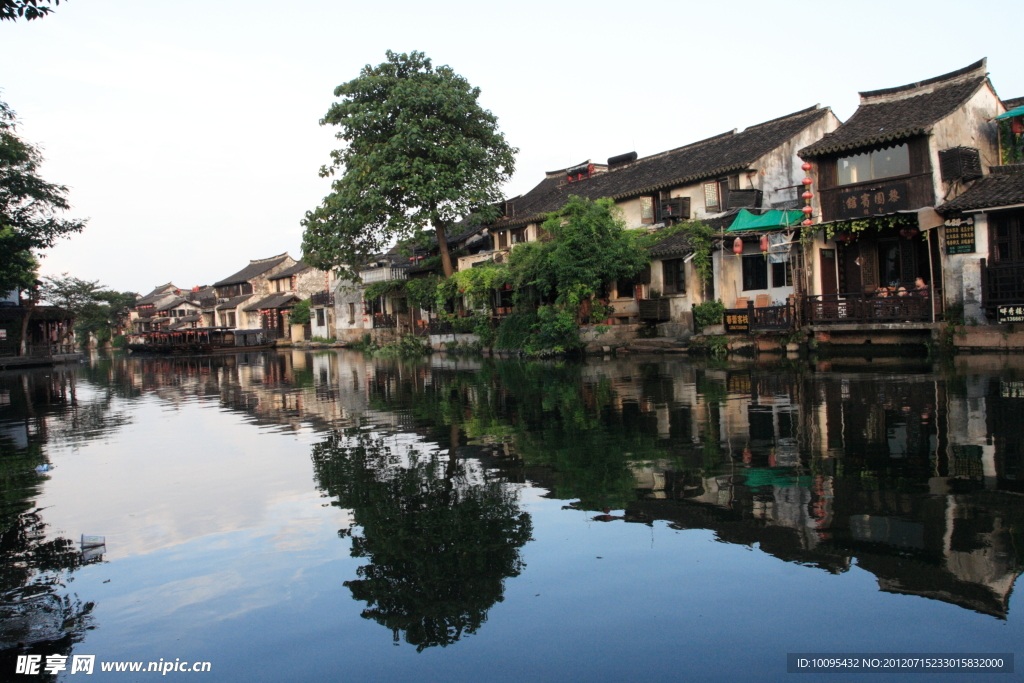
420, 153
29, 207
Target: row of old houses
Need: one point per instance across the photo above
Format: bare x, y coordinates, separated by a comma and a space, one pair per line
907, 214
913, 216
259, 297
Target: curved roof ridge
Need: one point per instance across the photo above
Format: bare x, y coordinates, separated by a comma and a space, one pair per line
969, 70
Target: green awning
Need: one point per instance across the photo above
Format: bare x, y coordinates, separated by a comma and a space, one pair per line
773, 219
1018, 111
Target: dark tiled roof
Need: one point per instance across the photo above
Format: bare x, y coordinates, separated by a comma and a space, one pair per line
709, 158
1002, 189
888, 120
257, 267
162, 290
272, 301
176, 301
289, 271
677, 243
1013, 103
233, 302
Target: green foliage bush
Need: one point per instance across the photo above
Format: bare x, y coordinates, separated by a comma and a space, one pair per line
300, 313
708, 313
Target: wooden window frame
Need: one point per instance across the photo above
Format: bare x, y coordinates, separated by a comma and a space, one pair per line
676, 284
748, 262
653, 217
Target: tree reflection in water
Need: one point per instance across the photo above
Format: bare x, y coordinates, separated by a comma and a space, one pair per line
37, 616
441, 538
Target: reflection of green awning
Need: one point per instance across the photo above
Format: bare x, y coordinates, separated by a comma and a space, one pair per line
773, 219
1019, 111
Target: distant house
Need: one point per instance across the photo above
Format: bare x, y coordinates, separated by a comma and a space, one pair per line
240, 291
304, 282
143, 317
49, 336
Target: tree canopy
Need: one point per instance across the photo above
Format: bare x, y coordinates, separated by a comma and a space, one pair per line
28, 207
27, 9
420, 153
96, 310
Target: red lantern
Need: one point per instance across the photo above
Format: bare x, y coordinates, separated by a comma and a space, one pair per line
807, 181
807, 195
807, 210
737, 246
844, 237
807, 221
807, 166
764, 243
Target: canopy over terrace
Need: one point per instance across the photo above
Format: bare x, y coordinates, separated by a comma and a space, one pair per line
770, 220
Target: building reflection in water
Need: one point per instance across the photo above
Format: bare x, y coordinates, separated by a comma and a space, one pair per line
911, 472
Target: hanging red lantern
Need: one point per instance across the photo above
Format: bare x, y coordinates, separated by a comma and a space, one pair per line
807, 181
807, 221
764, 244
807, 166
807, 195
807, 210
737, 246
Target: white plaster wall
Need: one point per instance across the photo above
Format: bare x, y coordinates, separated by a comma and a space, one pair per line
969, 126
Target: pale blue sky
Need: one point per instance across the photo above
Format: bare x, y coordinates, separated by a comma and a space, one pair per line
187, 130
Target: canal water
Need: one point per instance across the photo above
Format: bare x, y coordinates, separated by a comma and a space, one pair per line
323, 516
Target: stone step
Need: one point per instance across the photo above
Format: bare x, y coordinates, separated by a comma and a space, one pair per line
667, 342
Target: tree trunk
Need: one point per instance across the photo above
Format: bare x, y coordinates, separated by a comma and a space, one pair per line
442, 246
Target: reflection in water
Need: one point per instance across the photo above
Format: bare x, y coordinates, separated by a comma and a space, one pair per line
914, 473
37, 615
441, 537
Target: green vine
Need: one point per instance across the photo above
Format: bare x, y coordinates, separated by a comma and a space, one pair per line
379, 289
877, 223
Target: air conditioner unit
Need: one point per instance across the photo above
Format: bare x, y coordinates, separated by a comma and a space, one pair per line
744, 199
678, 208
959, 163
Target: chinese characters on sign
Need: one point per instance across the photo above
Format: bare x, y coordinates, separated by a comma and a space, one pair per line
736, 321
874, 200
960, 235
1009, 314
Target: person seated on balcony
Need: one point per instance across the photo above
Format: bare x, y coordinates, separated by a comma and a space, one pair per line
901, 291
881, 292
920, 288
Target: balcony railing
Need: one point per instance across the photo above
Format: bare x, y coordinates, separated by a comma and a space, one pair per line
853, 309
383, 321
383, 274
759, 319
37, 350
439, 327
1002, 284
324, 298
873, 197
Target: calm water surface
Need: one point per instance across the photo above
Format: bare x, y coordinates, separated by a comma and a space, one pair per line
327, 516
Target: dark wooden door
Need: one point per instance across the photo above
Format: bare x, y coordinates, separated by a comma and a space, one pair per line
829, 282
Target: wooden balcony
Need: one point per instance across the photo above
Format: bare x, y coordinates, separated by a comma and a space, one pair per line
383, 321
759, 318
324, 298
860, 309
877, 197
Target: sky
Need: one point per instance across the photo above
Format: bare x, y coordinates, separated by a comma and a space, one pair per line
188, 134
